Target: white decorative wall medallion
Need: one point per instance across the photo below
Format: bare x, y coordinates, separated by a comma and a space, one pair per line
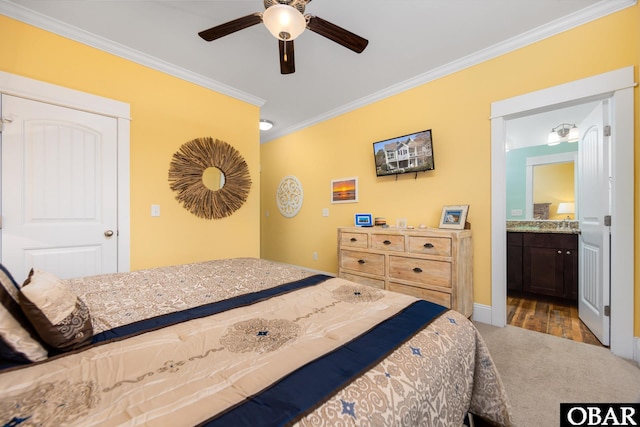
289, 196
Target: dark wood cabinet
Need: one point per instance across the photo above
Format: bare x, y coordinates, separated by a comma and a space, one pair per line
547, 262
514, 263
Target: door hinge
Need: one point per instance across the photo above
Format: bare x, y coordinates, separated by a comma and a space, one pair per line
607, 130
607, 310
607, 220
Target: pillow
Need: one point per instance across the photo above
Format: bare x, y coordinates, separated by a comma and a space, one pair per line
61, 318
18, 339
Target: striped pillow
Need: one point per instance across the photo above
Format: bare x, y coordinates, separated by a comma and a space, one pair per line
18, 341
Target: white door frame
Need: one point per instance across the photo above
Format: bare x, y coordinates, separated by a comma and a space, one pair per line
12, 84
618, 85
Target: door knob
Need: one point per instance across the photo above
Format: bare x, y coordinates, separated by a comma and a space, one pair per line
108, 233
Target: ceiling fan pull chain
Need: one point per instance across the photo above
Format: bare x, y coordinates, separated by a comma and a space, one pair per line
285, 50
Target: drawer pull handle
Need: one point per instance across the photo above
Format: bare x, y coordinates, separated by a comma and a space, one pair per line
417, 270
353, 239
361, 261
428, 245
387, 242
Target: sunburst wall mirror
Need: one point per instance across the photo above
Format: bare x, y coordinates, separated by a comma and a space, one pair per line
210, 177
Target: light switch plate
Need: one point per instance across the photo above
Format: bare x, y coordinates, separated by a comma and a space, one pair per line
155, 210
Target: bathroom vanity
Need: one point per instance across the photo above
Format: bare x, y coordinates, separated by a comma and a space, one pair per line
543, 260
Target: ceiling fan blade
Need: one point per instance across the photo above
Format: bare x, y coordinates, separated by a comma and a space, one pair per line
230, 27
337, 34
287, 60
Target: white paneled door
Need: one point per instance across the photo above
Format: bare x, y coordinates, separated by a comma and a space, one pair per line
594, 243
59, 189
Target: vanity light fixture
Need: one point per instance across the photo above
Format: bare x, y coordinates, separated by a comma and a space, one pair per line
265, 125
563, 132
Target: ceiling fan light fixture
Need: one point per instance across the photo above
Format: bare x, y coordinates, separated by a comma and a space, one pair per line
284, 22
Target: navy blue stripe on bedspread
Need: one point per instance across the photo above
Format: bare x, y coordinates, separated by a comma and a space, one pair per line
306, 388
161, 321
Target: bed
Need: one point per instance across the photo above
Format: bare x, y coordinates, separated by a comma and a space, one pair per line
239, 342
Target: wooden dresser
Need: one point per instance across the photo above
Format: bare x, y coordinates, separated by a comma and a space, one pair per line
432, 264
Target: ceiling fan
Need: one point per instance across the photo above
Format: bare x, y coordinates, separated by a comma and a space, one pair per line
285, 19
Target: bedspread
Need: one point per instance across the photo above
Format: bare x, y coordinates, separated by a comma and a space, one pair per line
203, 369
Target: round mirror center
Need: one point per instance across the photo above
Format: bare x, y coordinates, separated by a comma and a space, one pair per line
213, 178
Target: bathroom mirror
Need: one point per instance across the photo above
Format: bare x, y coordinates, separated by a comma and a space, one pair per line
551, 180
538, 176
210, 178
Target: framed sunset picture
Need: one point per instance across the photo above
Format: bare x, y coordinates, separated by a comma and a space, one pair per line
344, 190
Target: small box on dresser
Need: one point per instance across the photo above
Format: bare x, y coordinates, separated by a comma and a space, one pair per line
432, 264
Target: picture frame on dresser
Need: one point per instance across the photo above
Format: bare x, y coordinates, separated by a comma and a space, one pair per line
454, 217
363, 220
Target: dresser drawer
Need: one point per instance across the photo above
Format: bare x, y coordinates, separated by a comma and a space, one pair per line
420, 271
355, 240
442, 298
376, 283
440, 246
388, 242
364, 262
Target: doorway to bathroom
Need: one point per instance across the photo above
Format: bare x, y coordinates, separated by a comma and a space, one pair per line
617, 86
547, 173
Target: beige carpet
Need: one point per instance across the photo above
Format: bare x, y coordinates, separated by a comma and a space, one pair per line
540, 371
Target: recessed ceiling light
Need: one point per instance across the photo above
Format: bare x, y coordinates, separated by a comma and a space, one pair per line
265, 124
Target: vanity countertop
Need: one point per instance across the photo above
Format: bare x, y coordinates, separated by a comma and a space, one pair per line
543, 226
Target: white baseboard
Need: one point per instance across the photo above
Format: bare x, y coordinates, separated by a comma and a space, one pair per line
481, 313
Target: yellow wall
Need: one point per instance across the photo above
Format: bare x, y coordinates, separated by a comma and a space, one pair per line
457, 109
166, 112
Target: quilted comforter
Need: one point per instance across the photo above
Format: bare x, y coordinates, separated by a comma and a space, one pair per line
251, 342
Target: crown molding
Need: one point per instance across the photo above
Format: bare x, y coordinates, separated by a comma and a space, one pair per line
596, 11
44, 22
591, 13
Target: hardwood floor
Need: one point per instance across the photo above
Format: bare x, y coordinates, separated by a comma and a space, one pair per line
550, 317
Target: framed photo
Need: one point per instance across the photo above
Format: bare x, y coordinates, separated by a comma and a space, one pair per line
363, 220
401, 222
344, 190
454, 217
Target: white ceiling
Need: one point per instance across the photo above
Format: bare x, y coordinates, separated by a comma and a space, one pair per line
410, 42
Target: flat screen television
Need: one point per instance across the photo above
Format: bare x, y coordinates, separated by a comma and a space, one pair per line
404, 154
